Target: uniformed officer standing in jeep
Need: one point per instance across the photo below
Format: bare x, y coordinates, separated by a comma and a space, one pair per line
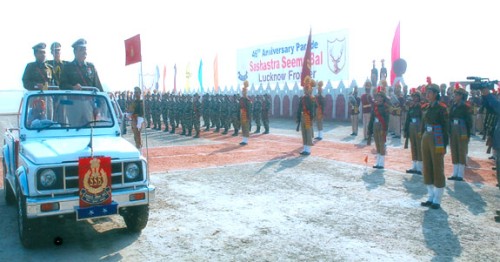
79, 73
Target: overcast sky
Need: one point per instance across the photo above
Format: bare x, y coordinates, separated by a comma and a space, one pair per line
447, 40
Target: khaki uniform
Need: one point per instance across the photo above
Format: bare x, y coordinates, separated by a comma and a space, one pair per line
460, 131
412, 130
435, 116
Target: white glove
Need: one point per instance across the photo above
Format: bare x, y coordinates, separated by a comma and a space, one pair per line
140, 120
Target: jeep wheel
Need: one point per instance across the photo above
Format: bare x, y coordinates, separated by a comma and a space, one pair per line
26, 226
136, 217
7, 189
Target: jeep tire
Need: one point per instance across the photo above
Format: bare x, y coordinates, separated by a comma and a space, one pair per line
27, 227
136, 217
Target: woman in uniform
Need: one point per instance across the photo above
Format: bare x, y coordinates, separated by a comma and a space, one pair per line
412, 131
379, 123
460, 130
305, 115
434, 141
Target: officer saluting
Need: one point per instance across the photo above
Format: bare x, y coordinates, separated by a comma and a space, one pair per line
79, 73
38, 74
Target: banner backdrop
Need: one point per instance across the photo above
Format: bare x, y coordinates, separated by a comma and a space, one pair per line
282, 61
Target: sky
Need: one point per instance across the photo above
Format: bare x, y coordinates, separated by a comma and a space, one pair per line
447, 40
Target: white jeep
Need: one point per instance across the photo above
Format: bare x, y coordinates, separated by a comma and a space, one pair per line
41, 156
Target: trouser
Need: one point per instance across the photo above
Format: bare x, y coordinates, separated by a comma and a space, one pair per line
306, 130
354, 123
497, 154
433, 163
137, 133
379, 136
458, 146
366, 121
416, 143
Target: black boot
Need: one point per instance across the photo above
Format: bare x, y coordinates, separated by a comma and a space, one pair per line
266, 131
207, 128
235, 132
258, 130
225, 131
189, 133
183, 132
166, 129
197, 134
172, 131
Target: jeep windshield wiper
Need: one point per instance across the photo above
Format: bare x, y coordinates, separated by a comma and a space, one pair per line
92, 122
46, 124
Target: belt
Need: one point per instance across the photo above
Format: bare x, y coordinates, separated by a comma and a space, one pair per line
366, 106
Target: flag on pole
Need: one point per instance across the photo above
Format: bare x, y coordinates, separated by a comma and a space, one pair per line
188, 78
133, 50
164, 77
216, 73
395, 53
157, 78
200, 76
175, 79
306, 63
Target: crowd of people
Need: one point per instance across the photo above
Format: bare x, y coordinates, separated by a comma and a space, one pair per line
192, 114
430, 117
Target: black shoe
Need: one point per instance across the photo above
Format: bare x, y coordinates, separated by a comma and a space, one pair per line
452, 178
318, 138
266, 132
353, 134
426, 204
165, 130
494, 168
224, 133
498, 212
418, 172
304, 153
380, 167
459, 179
411, 171
491, 157
235, 134
376, 166
243, 144
172, 131
435, 206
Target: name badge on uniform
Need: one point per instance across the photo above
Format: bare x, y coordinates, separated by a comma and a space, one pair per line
455, 121
429, 128
376, 120
414, 120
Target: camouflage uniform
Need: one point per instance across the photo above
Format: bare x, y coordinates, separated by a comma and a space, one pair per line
147, 113
216, 113
235, 114
187, 120
172, 100
179, 110
156, 111
226, 114
257, 112
205, 105
197, 110
164, 110
266, 108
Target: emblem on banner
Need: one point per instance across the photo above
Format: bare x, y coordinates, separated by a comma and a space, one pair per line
242, 77
336, 55
95, 181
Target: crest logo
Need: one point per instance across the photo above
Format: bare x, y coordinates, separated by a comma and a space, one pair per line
242, 77
95, 183
336, 55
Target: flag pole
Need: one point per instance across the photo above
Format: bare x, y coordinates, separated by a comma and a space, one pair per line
144, 112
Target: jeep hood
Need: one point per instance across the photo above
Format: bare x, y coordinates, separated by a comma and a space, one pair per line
58, 150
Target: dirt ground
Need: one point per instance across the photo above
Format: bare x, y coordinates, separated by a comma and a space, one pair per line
219, 201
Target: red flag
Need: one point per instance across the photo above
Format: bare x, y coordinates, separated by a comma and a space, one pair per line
216, 74
133, 50
395, 53
306, 63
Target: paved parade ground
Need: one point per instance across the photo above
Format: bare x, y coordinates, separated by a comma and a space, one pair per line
219, 201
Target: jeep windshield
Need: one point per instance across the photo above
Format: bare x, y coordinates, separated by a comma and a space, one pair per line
63, 111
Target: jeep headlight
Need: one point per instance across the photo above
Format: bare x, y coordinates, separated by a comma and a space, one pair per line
132, 171
48, 178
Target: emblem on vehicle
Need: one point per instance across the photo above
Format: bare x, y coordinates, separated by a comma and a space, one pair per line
95, 181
